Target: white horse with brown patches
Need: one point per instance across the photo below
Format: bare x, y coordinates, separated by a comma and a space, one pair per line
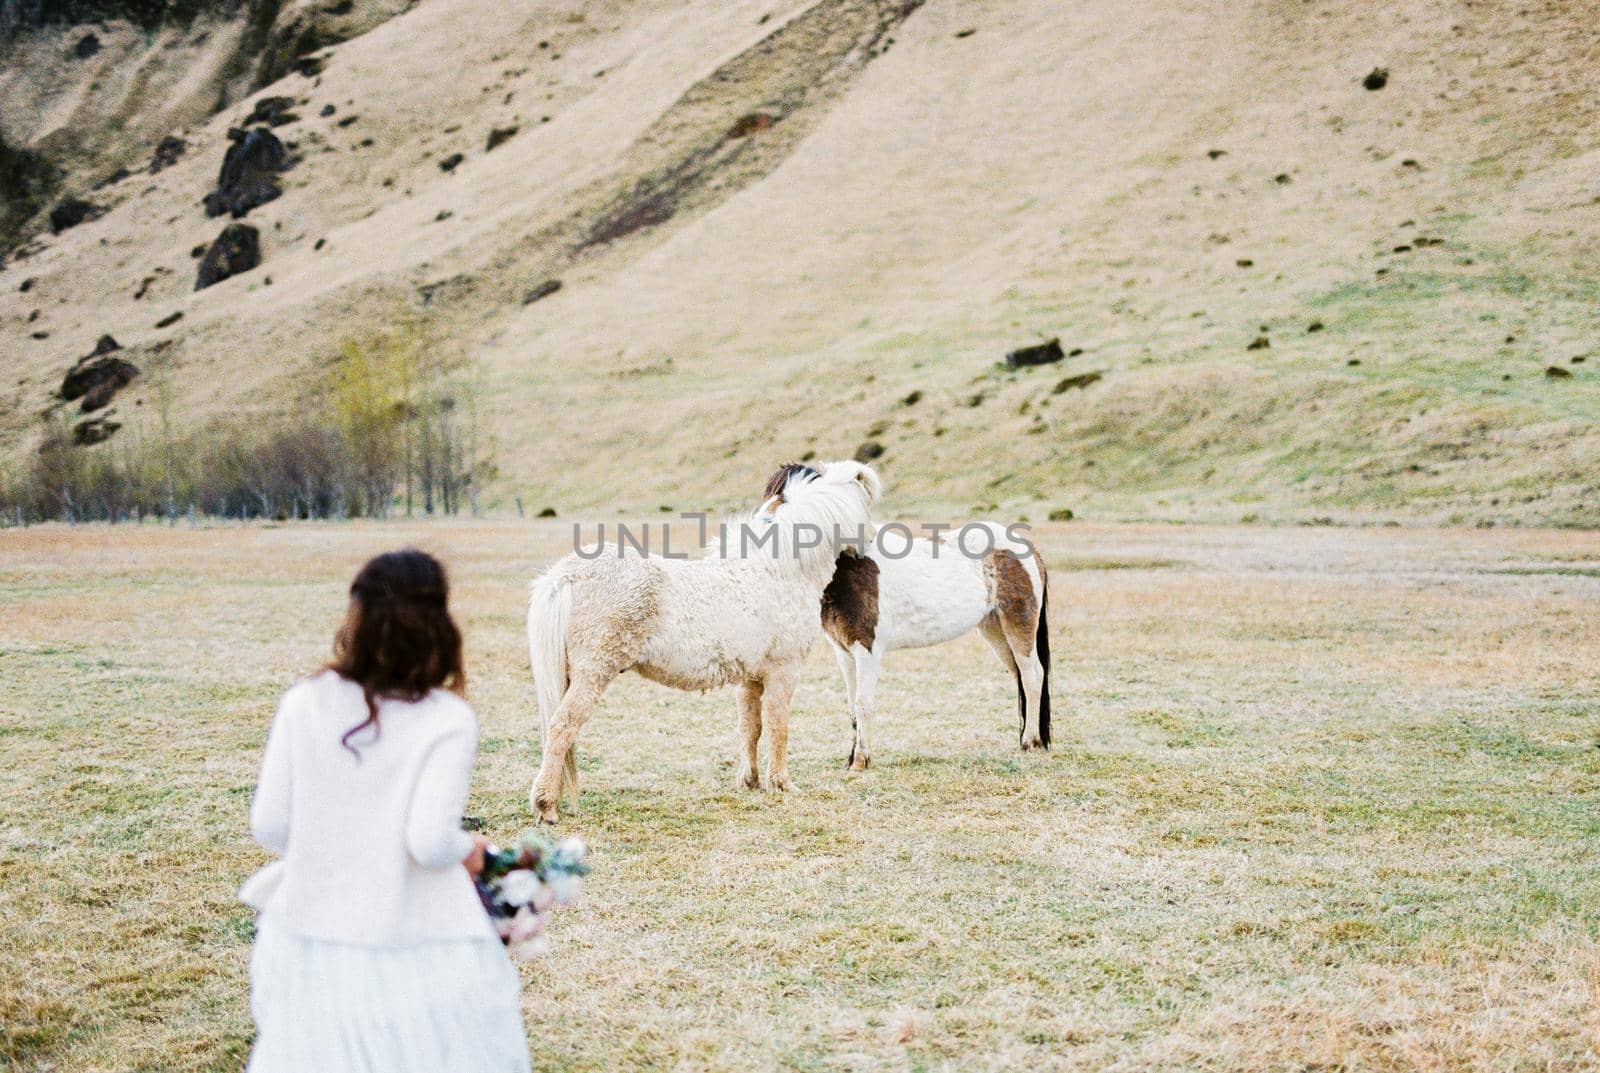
980, 577
745, 614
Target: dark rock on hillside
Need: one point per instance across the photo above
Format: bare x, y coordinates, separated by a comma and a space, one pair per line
168, 150
170, 319
236, 250
70, 212
1081, 381
1376, 79
93, 431
87, 46
754, 123
97, 376
113, 179
869, 451
1556, 372
451, 162
249, 176
272, 111
99, 396
498, 137
543, 290
1260, 342
1042, 354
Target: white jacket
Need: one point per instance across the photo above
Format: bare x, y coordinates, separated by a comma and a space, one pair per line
370, 848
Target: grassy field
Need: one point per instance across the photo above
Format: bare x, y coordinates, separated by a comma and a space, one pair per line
1322, 799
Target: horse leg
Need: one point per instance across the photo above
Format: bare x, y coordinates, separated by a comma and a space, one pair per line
994, 631
1028, 669
847, 671
558, 771
778, 691
1033, 690
868, 663
749, 733
1017, 616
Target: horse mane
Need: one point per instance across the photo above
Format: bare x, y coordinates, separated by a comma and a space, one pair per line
787, 472
835, 502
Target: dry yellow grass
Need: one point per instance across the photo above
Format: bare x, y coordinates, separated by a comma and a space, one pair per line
1323, 799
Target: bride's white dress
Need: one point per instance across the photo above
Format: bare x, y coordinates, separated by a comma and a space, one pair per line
434, 1007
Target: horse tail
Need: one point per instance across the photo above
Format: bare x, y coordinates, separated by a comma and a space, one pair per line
549, 611
1041, 644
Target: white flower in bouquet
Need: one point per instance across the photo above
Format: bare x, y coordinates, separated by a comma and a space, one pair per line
519, 887
570, 850
563, 887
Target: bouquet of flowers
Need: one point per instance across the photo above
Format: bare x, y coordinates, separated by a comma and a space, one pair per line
519, 886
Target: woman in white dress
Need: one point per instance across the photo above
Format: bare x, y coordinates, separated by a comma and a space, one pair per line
373, 953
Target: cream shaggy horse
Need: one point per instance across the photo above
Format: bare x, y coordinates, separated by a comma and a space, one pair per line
910, 593
745, 614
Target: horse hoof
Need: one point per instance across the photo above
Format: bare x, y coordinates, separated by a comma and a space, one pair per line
748, 780
1030, 744
860, 762
781, 783
547, 813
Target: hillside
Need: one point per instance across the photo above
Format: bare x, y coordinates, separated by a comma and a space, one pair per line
793, 227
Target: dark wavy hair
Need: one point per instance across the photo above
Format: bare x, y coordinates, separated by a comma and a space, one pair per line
398, 639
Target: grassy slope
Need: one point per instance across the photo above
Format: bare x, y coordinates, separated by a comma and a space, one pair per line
1320, 799
912, 216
